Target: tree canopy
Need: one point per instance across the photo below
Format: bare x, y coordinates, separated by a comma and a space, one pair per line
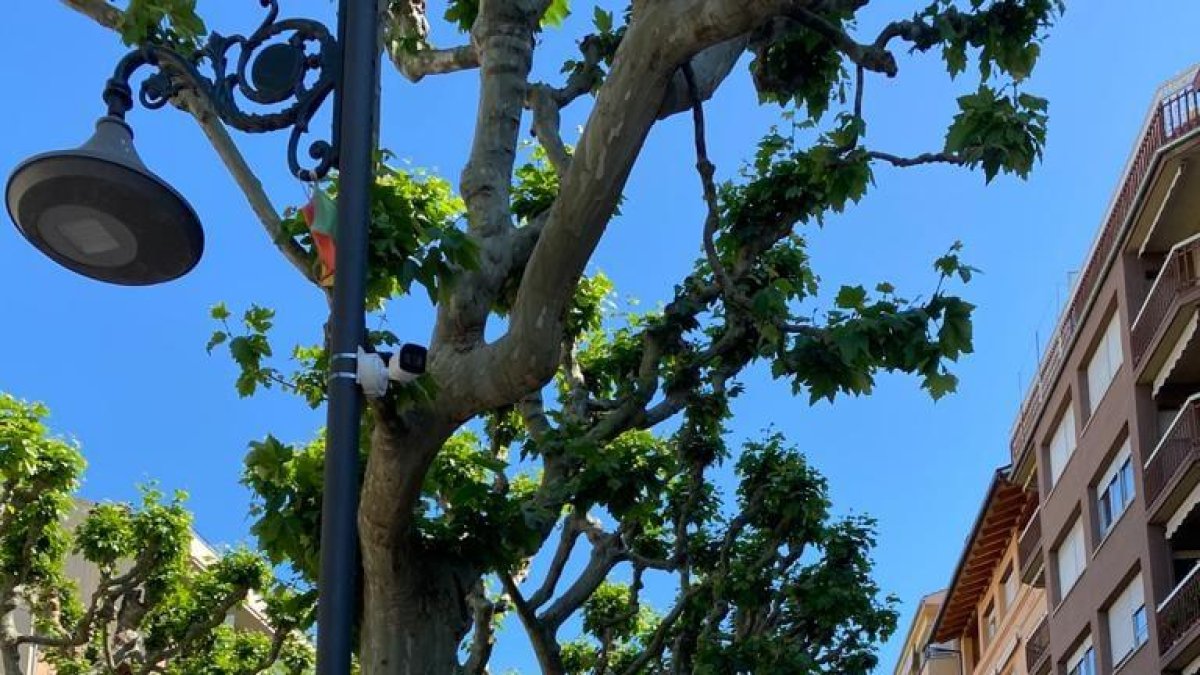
151, 607
583, 424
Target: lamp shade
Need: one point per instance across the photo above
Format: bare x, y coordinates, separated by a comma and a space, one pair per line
98, 211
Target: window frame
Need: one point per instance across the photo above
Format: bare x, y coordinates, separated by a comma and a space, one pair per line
1117, 480
1076, 526
1110, 341
1069, 434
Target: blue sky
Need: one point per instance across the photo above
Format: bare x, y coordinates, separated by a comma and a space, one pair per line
125, 370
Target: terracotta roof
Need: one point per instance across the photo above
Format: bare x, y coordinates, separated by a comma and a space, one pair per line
1004, 510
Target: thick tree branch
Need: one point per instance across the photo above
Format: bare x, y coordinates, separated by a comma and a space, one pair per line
545, 646
573, 526
661, 37
873, 57
99, 11
415, 65
607, 551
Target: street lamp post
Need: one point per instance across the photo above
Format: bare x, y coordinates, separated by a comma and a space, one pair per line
98, 211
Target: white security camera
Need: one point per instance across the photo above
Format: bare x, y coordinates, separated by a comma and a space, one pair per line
403, 366
407, 364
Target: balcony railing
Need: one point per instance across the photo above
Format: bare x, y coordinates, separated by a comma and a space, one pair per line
1177, 113
1177, 276
1029, 547
1037, 648
1178, 448
1180, 612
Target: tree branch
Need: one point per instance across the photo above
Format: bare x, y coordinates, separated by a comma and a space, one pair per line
926, 158
572, 527
415, 65
545, 646
99, 11
873, 57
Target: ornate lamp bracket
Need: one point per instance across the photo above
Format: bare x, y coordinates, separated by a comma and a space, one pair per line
291, 65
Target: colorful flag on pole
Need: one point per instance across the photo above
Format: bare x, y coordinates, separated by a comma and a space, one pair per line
320, 214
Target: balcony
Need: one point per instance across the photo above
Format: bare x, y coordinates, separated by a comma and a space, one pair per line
1179, 622
1029, 551
1173, 469
1162, 320
1037, 650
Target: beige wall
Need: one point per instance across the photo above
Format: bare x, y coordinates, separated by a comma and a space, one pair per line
1005, 652
911, 660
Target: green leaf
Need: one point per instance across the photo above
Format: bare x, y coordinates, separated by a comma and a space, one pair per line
851, 297
602, 20
556, 13
217, 338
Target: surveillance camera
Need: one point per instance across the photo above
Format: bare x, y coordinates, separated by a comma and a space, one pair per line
407, 364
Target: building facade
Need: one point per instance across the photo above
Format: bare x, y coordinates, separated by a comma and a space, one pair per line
1097, 514
921, 656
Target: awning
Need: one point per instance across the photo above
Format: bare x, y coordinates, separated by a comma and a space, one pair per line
1182, 512
1177, 352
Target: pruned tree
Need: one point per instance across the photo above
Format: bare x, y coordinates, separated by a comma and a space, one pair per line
150, 607
582, 426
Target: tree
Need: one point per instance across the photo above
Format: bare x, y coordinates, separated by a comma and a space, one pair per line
582, 423
152, 610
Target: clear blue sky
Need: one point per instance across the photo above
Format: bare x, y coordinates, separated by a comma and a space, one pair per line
125, 371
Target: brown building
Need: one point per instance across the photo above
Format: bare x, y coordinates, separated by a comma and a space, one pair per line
1097, 515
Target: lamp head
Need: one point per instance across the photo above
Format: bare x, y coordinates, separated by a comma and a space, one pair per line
98, 211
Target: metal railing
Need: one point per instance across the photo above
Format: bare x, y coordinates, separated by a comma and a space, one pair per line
1037, 648
1178, 274
1179, 447
1180, 612
1029, 544
1176, 114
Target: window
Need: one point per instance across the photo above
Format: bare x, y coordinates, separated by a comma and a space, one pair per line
1115, 490
1083, 661
1140, 631
1127, 621
1062, 444
1105, 361
1008, 589
1071, 558
989, 625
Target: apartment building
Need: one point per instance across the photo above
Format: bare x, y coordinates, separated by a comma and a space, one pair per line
1096, 520
921, 656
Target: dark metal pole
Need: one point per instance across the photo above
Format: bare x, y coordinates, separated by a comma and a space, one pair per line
355, 109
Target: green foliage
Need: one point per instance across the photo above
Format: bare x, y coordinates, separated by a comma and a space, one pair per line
286, 481
534, 188
248, 349
462, 13
38, 475
414, 233
173, 23
999, 133
1004, 33
802, 68
147, 584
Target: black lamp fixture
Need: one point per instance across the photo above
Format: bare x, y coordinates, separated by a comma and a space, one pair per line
98, 211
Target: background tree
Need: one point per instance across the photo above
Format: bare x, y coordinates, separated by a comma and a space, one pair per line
547, 419
152, 610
